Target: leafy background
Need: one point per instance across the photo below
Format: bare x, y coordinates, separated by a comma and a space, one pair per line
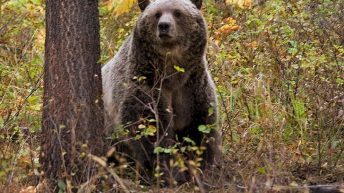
279, 70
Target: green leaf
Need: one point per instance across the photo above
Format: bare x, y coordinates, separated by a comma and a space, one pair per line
204, 129
163, 150
158, 174
210, 111
189, 140
167, 150
150, 130
61, 185
299, 109
261, 170
36, 107
141, 78
158, 150
179, 69
152, 120
141, 126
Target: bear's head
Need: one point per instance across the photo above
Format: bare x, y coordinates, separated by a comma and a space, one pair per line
172, 26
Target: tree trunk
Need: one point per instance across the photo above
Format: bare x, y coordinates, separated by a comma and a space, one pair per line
72, 123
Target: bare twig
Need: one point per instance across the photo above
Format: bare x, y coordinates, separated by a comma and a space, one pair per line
33, 90
103, 164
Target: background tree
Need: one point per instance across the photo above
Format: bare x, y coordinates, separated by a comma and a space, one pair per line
72, 122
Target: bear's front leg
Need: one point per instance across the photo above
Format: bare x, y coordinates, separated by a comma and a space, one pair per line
147, 117
205, 119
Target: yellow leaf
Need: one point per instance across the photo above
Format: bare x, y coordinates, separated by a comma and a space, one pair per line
240, 3
179, 69
229, 21
253, 45
121, 6
151, 130
226, 29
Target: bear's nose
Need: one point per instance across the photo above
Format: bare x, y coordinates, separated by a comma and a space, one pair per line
164, 27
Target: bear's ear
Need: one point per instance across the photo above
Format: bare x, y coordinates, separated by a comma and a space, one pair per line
143, 4
198, 3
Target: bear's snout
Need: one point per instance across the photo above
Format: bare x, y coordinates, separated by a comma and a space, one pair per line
165, 26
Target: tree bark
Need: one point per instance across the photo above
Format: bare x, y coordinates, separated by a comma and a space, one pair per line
72, 122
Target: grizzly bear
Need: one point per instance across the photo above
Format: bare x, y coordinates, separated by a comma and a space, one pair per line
158, 90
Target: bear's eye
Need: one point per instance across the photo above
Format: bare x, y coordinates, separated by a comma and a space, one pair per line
177, 13
158, 15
